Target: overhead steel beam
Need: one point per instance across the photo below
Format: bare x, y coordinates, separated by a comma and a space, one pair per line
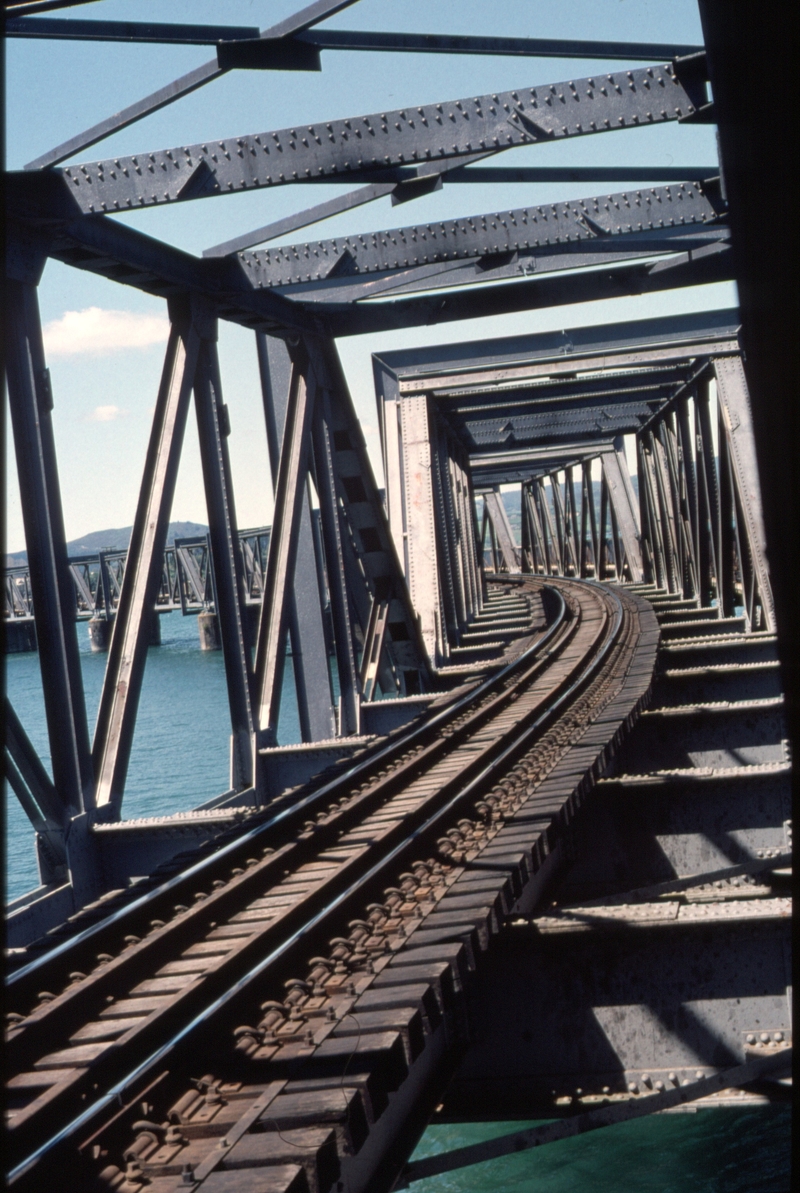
508, 358
337, 148
119, 699
342, 39
125, 255
542, 174
686, 269
179, 87
401, 191
494, 267
70, 29
524, 229
311, 215
521, 47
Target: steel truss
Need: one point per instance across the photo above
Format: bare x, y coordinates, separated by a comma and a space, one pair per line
402, 581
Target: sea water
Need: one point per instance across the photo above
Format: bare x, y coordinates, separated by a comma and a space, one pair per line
180, 759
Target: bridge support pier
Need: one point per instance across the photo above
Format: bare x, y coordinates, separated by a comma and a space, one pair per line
20, 637
208, 631
99, 634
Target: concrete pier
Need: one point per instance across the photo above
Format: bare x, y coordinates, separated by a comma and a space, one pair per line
99, 634
20, 636
208, 631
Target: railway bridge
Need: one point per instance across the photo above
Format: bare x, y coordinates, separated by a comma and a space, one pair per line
532, 858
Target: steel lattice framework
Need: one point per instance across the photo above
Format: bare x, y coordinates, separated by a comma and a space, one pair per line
388, 588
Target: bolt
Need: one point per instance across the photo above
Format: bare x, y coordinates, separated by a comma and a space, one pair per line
633, 1087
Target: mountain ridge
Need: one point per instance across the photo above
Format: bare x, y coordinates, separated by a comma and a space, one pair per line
112, 540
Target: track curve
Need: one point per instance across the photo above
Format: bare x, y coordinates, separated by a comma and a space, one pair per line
173, 980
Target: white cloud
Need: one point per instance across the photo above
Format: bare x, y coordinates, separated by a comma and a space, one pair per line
105, 414
97, 332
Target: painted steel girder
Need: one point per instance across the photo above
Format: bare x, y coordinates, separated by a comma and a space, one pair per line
546, 392
522, 229
198, 77
508, 358
427, 134
125, 255
494, 267
714, 264
549, 428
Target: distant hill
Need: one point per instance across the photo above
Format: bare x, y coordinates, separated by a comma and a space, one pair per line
113, 540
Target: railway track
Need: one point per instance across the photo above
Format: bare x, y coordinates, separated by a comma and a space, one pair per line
244, 1025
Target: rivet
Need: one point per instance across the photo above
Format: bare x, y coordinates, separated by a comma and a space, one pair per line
778, 1036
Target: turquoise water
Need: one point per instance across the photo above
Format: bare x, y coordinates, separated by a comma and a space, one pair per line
729, 1150
180, 759
180, 755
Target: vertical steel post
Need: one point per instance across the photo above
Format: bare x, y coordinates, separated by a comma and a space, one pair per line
689, 475
603, 562
651, 527
525, 533
571, 513
730, 553
213, 428
711, 483
306, 626
330, 524
290, 491
31, 402
736, 415
453, 613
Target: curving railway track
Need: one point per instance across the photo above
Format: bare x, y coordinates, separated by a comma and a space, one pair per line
282, 1015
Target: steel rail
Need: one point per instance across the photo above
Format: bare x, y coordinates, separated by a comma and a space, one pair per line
41, 1029
291, 813
601, 643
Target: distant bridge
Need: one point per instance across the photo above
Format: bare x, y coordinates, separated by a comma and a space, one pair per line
187, 584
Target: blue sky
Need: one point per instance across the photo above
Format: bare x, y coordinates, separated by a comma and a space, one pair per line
105, 341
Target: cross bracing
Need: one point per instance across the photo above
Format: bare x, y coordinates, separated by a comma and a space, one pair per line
636, 450
546, 412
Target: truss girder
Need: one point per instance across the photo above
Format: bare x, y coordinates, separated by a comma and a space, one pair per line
342, 148
494, 267
737, 423
523, 230
713, 263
